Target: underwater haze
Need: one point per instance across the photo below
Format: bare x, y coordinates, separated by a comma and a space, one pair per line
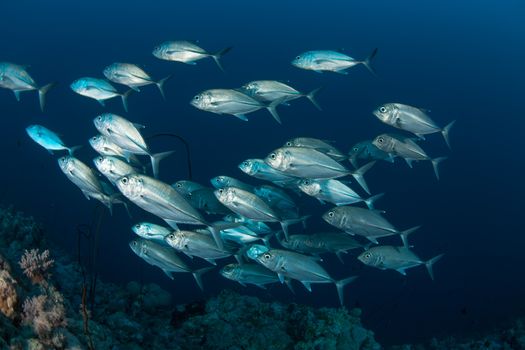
462, 60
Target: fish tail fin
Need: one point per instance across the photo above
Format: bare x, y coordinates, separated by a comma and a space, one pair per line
73, 149
266, 239
284, 226
446, 130
368, 62
155, 160
371, 200
124, 98
286, 223
272, 108
435, 165
160, 85
340, 286
359, 175
429, 263
404, 235
42, 94
311, 97
197, 274
217, 56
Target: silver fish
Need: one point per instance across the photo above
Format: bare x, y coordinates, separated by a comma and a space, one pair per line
331, 61
335, 192
113, 168
272, 90
364, 222
199, 244
151, 231
275, 197
407, 149
81, 175
132, 76
126, 135
249, 274
186, 187
204, 199
99, 89
300, 267
411, 119
312, 164
320, 243
396, 258
186, 52
48, 139
164, 258
16, 78
251, 206
227, 181
319, 145
260, 170
233, 102
256, 226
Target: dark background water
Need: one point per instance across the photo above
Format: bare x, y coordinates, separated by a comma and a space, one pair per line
462, 60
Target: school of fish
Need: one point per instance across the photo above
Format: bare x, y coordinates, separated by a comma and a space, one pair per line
256, 231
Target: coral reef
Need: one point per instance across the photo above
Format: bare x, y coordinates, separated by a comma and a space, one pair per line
36, 265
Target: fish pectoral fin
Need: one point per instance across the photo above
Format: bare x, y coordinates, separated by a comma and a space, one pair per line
169, 274
172, 224
409, 162
135, 88
421, 136
17, 95
211, 261
307, 285
318, 71
402, 271
281, 277
86, 194
139, 126
261, 286
373, 240
341, 71
241, 117
102, 103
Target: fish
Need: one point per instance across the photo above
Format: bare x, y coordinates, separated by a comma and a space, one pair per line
99, 89
364, 222
396, 258
227, 181
260, 228
335, 192
113, 168
260, 170
199, 244
126, 135
109, 196
187, 52
151, 231
132, 76
337, 243
249, 274
367, 151
275, 197
243, 235
81, 175
331, 61
16, 78
300, 267
407, 149
312, 164
164, 258
251, 206
233, 102
255, 250
204, 199
48, 139
412, 119
272, 90
186, 187
319, 145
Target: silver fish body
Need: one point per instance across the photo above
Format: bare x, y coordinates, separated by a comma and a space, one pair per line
132, 76
249, 274
151, 231
331, 61
395, 258
186, 52
319, 145
272, 90
81, 175
198, 244
47, 138
113, 168
367, 151
260, 170
226, 181
98, 89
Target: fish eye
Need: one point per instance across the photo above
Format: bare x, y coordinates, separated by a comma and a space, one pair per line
99, 118
382, 109
331, 214
137, 226
134, 243
124, 180
368, 255
267, 256
196, 98
171, 236
288, 144
272, 155
221, 191
380, 140
179, 185
245, 163
298, 58
356, 149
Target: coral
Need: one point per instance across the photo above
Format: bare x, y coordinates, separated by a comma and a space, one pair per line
8, 290
45, 313
36, 266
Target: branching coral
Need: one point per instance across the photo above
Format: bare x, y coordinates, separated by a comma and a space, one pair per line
36, 265
45, 314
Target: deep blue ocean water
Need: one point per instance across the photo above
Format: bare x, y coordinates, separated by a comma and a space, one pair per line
463, 60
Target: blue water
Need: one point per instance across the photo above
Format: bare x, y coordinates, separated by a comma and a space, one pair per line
463, 60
